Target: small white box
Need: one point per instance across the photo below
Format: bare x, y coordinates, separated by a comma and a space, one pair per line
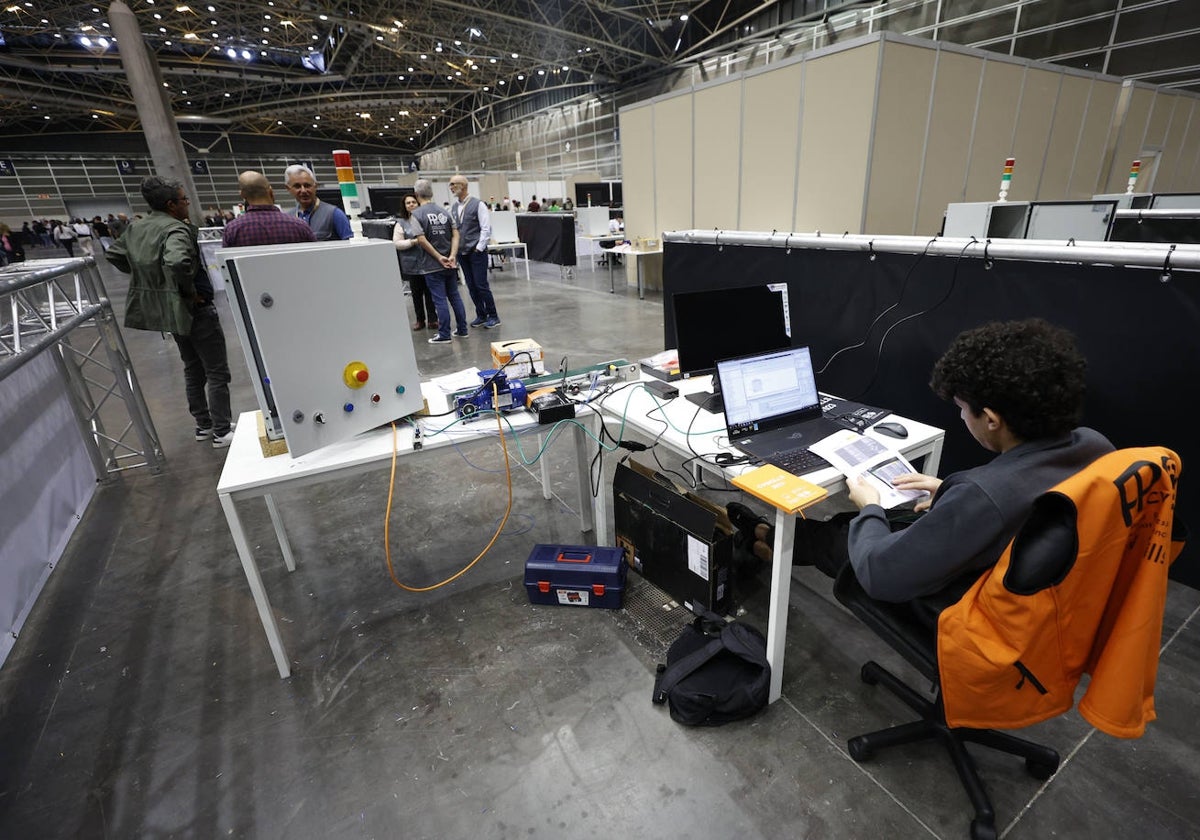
522, 365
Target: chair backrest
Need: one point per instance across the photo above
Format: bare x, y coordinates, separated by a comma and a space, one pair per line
1080, 589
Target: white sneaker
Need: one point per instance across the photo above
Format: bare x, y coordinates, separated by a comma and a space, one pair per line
223, 441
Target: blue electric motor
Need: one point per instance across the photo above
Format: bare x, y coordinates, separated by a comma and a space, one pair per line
510, 395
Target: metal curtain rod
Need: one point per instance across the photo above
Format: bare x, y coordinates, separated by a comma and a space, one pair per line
1132, 254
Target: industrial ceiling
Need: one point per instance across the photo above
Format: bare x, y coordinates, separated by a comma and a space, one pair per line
408, 76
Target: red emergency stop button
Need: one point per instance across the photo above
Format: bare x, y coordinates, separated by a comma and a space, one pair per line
355, 374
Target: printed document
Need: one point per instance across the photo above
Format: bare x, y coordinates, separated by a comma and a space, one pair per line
853, 454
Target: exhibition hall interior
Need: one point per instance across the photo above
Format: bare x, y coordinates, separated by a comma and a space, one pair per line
676, 419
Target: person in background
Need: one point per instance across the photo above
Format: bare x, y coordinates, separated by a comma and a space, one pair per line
404, 236
328, 223
28, 236
8, 247
102, 233
554, 207
474, 232
568, 205
439, 243
263, 223
169, 291
83, 233
43, 233
534, 206
64, 235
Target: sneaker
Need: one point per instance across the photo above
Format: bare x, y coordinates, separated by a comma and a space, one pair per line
223, 441
461, 333
437, 339
479, 322
202, 433
491, 323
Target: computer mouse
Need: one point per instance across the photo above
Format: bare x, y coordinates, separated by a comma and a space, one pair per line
894, 430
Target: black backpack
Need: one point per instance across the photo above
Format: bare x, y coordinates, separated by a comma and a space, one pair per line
715, 673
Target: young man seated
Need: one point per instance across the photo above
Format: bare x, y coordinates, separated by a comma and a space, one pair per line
1019, 386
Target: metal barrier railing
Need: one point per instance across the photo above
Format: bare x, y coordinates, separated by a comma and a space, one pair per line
62, 307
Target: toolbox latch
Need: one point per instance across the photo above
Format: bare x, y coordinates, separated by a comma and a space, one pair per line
598, 590
543, 586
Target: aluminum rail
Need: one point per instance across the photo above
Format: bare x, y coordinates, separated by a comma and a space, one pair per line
1158, 214
11, 364
1130, 254
14, 277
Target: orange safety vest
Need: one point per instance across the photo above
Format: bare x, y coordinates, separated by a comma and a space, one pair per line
1011, 652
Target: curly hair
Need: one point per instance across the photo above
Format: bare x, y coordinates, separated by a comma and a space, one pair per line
1029, 372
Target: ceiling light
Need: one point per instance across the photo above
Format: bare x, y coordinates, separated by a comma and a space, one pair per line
212, 23
166, 84
266, 17
514, 55
229, 51
265, 41
168, 43
95, 116
183, 8
474, 32
162, 29
227, 94
457, 42
278, 122
323, 17
85, 40
423, 57
190, 36
314, 125
266, 29
410, 70
46, 117
486, 88
104, 42
212, 8
500, 82
157, 16
541, 72
378, 37
365, 115
438, 48
492, 60
565, 67
683, 17
246, 54
520, 77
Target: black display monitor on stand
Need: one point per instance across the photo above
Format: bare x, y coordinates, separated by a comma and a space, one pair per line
722, 323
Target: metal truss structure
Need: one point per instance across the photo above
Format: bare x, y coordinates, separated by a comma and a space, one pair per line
61, 307
408, 76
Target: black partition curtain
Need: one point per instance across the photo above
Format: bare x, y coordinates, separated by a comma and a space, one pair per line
1139, 332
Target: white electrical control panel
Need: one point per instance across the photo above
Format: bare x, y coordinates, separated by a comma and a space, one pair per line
324, 327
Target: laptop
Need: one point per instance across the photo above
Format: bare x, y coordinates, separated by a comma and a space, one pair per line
773, 410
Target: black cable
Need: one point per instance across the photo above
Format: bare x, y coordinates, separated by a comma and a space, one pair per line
953, 282
900, 299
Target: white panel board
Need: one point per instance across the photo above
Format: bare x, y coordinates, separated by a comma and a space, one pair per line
313, 311
504, 226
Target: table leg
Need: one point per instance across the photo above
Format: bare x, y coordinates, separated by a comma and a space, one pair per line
781, 585
544, 463
525, 251
256, 585
280, 533
587, 513
612, 287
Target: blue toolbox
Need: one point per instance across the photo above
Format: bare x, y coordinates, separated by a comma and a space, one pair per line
576, 575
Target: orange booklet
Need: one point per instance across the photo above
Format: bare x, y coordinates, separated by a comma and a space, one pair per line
780, 489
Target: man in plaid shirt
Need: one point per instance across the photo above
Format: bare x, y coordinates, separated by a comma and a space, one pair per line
263, 223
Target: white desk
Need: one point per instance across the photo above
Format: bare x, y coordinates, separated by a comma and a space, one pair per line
634, 256
593, 251
247, 475
504, 247
643, 413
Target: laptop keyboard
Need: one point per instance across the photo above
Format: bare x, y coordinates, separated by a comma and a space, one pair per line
798, 461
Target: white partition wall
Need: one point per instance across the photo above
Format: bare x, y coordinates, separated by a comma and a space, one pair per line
881, 133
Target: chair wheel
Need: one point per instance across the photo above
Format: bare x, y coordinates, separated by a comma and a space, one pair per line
859, 749
983, 830
1040, 770
867, 674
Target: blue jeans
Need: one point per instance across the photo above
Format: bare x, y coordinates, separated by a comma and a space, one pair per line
443, 285
475, 272
206, 369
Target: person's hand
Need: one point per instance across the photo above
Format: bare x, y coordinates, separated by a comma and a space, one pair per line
451, 262
446, 262
916, 481
861, 492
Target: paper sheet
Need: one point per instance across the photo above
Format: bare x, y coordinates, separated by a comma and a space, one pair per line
853, 454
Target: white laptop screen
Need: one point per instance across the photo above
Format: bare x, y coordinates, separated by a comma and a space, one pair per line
777, 386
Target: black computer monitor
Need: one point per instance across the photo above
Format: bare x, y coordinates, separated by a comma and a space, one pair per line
722, 323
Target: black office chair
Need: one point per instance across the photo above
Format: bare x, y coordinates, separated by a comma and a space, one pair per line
1053, 557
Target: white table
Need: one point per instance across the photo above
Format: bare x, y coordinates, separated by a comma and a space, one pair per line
248, 475
707, 437
593, 252
505, 247
633, 256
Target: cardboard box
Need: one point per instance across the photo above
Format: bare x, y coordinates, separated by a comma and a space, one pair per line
576, 576
503, 351
681, 543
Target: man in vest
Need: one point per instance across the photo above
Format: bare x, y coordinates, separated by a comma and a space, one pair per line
1019, 387
474, 231
327, 222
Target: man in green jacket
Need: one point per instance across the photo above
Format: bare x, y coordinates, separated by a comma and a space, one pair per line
169, 291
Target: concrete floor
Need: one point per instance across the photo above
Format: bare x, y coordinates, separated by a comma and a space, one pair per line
142, 701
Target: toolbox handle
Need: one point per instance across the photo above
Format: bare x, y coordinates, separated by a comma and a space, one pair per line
574, 557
